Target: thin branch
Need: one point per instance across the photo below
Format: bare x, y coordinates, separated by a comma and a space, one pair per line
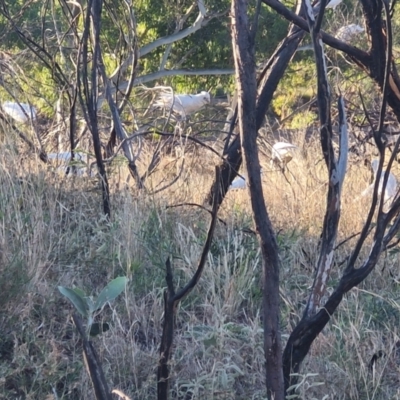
356, 54
336, 173
182, 293
179, 26
200, 22
171, 302
93, 363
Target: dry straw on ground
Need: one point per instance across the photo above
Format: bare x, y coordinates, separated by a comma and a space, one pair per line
52, 233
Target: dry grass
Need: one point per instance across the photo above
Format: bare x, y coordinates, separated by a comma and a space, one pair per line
53, 233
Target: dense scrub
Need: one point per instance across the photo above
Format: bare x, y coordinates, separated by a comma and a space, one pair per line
53, 233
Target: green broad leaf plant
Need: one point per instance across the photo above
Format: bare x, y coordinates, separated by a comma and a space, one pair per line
89, 307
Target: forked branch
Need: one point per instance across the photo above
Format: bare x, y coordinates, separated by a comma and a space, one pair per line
267, 82
312, 323
332, 212
171, 302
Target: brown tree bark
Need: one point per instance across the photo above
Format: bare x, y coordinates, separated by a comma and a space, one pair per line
267, 82
243, 50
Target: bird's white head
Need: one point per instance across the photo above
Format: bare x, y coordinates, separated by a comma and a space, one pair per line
375, 165
206, 97
356, 28
20, 112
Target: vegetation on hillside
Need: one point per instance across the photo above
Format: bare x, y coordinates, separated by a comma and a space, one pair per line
56, 231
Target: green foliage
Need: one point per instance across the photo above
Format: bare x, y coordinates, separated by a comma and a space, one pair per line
110, 292
77, 298
303, 119
210, 47
87, 306
157, 237
28, 14
13, 278
294, 90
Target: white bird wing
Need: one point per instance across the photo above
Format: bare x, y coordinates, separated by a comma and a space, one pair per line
283, 145
183, 104
280, 149
238, 183
391, 186
345, 33
65, 156
21, 112
333, 4
390, 190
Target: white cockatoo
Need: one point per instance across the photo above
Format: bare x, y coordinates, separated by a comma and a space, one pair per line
63, 161
240, 182
282, 153
346, 33
20, 112
333, 4
183, 104
391, 185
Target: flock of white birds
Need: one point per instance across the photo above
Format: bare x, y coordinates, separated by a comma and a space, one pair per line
184, 105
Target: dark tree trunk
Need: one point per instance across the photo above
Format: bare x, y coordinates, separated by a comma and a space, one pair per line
243, 50
267, 83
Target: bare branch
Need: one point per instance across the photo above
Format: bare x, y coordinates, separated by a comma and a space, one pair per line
307, 330
179, 26
332, 213
171, 301
200, 22
343, 143
88, 89
182, 293
268, 80
93, 363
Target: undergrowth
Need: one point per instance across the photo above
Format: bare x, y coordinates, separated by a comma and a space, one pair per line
53, 233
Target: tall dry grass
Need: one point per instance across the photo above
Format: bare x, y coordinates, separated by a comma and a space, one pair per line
53, 233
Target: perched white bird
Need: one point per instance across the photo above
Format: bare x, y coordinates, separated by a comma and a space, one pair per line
333, 4
183, 104
20, 112
346, 33
282, 153
66, 156
238, 183
391, 185
64, 160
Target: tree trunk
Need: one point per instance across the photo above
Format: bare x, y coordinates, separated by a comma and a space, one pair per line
243, 50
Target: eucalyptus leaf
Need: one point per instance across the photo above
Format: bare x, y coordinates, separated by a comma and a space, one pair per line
111, 291
76, 299
90, 303
79, 292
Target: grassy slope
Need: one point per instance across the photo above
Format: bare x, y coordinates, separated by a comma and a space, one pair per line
52, 233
